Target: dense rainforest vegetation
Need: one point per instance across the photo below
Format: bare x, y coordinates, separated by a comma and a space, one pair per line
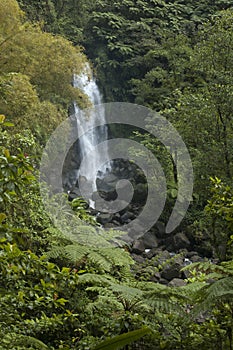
173, 56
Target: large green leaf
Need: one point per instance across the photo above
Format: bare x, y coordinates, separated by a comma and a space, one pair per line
122, 340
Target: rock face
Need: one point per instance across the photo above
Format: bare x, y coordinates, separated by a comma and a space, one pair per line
104, 218
138, 247
181, 241
163, 266
173, 269
177, 282
149, 240
166, 253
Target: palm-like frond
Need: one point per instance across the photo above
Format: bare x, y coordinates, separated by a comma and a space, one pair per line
213, 294
104, 258
122, 340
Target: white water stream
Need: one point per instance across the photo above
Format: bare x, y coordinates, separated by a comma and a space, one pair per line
94, 136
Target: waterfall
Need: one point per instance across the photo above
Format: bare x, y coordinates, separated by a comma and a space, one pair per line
86, 82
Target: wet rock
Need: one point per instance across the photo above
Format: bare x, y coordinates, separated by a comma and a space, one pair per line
177, 282
140, 192
204, 249
162, 256
74, 194
138, 247
104, 218
163, 281
160, 229
152, 253
149, 240
181, 241
187, 262
138, 258
156, 277
127, 217
196, 258
172, 270
190, 254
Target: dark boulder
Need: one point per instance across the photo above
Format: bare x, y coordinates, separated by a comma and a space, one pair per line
138, 247
149, 240
181, 241
173, 269
104, 218
177, 282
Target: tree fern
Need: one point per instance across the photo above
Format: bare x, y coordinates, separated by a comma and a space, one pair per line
213, 294
95, 279
105, 259
167, 299
208, 268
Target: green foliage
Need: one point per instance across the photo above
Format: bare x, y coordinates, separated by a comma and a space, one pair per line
77, 287
115, 261
39, 294
16, 172
220, 211
35, 88
80, 206
122, 340
20, 342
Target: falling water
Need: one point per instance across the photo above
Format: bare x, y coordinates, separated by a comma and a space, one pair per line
86, 82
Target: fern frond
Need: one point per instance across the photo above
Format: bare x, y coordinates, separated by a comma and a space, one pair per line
98, 259
126, 291
212, 294
228, 267
125, 274
206, 267
164, 298
55, 253
75, 252
94, 279
104, 303
191, 289
104, 258
118, 256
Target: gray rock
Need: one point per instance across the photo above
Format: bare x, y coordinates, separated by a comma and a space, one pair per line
126, 217
172, 270
109, 225
153, 252
136, 230
156, 277
181, 241
138, 247
196, 258
190, 254
163, 281
177, 282
149, 240
162, 256
104, 218
138, 258
116, 222
108, 183
160, 229
140, 192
